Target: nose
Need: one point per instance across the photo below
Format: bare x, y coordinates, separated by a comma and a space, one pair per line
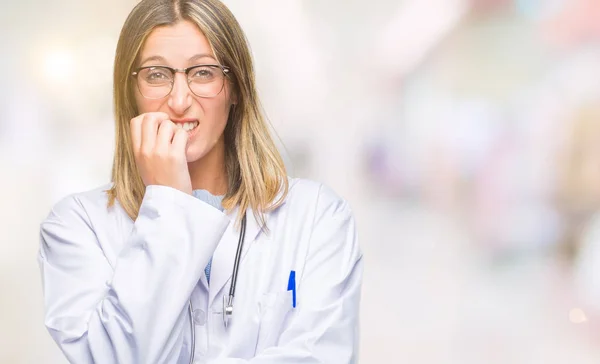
180, 98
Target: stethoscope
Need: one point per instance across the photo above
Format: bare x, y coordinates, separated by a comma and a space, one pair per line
227, 300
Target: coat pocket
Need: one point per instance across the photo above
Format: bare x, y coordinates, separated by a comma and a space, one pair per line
274, 308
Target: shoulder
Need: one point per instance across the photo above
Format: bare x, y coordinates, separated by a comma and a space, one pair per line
315, 195
328, 217
72, 221
317, 204
77, 205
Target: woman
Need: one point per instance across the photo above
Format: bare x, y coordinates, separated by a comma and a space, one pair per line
141, 270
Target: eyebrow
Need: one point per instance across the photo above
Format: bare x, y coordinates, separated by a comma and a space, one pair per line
195, 58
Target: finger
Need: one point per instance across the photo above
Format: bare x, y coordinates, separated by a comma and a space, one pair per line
180, 140
135, 126
166, 131
149, 131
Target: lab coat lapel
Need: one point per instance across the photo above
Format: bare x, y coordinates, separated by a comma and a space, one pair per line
224, 256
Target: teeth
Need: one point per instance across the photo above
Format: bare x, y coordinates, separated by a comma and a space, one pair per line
188, 126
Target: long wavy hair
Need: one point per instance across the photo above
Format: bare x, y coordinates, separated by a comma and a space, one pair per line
255, 170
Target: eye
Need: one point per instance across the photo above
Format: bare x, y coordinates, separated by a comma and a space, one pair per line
202, 74
156, 75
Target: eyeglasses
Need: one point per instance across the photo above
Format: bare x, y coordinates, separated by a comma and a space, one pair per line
156, 82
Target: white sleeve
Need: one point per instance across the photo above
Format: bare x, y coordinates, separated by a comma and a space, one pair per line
325, 325
135, 311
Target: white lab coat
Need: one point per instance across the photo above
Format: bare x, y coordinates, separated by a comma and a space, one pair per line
117, 291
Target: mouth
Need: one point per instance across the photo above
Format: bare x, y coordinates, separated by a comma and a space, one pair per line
189, 125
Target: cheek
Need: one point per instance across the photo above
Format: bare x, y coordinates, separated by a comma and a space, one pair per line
215, 112
145, 105
214, 120
141, 103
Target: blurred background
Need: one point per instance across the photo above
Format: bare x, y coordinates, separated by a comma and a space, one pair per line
465, 134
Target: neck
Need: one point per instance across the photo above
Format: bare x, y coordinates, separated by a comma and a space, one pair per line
209, 172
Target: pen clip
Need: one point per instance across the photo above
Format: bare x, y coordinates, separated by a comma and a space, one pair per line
292, 287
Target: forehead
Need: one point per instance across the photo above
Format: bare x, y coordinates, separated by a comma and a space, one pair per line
176, 44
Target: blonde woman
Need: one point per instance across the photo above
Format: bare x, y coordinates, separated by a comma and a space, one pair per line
201, 249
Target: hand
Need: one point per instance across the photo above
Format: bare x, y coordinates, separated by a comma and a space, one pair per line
159, 148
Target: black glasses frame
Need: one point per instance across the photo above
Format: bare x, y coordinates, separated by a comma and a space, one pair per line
187, 70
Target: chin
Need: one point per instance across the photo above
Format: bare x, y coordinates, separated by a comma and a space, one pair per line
195, 156
194, 153
201, 149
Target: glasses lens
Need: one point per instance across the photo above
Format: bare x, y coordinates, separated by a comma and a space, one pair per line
206, 81
155, 82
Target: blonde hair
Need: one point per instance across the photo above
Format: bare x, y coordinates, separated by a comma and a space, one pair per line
255, 170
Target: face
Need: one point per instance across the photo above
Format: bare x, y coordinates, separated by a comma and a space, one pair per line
180, 46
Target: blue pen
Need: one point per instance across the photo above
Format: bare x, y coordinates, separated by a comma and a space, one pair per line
292, 287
